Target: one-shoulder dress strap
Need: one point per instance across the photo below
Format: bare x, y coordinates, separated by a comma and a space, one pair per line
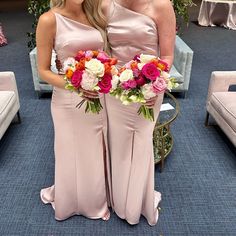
111, 9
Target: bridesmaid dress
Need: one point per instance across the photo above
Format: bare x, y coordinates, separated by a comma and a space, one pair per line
130, 135
80, 187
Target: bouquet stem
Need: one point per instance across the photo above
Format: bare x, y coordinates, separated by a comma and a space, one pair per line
147, 112
93, 105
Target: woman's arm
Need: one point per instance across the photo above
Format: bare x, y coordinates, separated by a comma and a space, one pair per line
45, 34
166, 25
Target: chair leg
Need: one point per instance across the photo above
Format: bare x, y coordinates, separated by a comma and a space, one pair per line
185, 94
207, 119
39, 94
18, 118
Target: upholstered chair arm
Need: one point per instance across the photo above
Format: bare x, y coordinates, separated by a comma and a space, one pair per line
183, 60
8, 82
220, 81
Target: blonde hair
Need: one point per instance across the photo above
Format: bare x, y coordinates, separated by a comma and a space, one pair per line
95, 16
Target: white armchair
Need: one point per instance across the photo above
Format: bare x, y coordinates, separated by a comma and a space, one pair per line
221, 103
182, 65
9, 101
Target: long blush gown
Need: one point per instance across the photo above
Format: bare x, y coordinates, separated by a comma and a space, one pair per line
80, 187
130, 135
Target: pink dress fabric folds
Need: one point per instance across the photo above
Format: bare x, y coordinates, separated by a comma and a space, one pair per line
130, 135
80, 138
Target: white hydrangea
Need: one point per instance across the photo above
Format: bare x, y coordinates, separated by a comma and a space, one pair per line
69, 63
147, 91
89, 81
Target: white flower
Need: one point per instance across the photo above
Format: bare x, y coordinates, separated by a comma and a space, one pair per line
69, 63
126, 75
94, 66
89, 81
147, 91
115, 81
165, 75
134, 98
124, 99
146, 58
140, 65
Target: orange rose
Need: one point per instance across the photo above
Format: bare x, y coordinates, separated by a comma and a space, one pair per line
95, 53
163, 65
134, 65
113, 61
80, 65
69, 73
155, 62
107, 68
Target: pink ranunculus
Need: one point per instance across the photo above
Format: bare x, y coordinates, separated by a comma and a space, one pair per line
128, 64
76, 78
103, 57
150, 71
89, 54
140, 80
130, 84
105, 84
159, 85
136, 73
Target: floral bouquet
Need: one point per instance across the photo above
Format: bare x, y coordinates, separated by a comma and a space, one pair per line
141, 79
91, 71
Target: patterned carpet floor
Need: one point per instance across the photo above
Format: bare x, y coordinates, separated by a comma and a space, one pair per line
198, 183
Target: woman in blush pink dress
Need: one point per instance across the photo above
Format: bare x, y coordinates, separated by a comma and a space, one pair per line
80, 180
134, 27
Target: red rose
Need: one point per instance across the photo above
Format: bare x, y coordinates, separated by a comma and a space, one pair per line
76, 78
140, 80
150, 71
80, 55
105, 84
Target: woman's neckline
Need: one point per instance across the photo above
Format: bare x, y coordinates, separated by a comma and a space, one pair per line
134, 12
78, 22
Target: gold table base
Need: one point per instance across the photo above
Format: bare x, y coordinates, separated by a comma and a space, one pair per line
162, 137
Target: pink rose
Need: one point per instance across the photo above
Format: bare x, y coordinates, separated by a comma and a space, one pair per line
140, 80
76, 78
150, 71
103, 57
105, 84
159, 85
130, 84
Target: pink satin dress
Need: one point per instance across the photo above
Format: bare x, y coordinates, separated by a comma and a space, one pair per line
80, 180
130, 135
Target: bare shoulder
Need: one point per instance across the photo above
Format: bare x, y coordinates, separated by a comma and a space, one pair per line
47, 19
163, 10
106, 6
161, 5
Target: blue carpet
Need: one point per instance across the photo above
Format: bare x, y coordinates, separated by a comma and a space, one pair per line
199, 180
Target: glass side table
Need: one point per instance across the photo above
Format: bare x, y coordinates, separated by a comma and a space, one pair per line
162, 137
